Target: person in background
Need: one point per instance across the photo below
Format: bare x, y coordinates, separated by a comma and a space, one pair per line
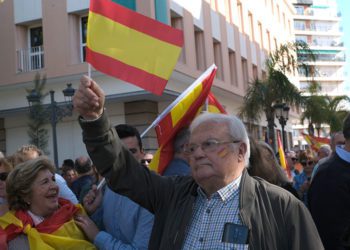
83, 183
5, 169
179, 165
147, 158
303, 180
199, 211
38, 218
329, 196
29, 152
263, 163
337, 138
68, 171
123, 223
291, 158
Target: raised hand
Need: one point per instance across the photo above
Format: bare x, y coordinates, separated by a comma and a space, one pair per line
89, 99
92, 200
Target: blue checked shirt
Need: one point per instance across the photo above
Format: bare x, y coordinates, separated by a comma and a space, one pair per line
209, 217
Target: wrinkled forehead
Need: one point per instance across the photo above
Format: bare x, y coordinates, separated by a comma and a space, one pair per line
208, 130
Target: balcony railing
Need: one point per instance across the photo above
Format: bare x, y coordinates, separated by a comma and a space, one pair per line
30, 59
305, 2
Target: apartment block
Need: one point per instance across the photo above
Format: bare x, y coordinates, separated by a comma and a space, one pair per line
49, 37
317, 22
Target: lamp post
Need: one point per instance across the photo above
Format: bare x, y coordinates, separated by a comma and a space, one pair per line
282, 112
54, 112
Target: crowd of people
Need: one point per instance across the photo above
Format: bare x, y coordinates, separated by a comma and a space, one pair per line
222, 190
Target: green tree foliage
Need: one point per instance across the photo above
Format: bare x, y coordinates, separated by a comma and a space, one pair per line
262, 94
37, 132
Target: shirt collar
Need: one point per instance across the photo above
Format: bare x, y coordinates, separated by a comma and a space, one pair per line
342, 153
226, 192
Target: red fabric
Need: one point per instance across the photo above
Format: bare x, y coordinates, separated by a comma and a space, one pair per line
137, 21
128, 73
166, 131
213, 101
64, 214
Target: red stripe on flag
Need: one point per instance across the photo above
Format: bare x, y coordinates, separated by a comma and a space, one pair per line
167, 125
213, 101
137, 21
126, 72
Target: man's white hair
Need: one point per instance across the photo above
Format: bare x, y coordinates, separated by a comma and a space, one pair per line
236, 128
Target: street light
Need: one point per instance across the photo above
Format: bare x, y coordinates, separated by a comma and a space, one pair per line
53, 113
282, 112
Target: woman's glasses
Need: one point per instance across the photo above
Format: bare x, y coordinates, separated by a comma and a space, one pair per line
3, 176
304, 163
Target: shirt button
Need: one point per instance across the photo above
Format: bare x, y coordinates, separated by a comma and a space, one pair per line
208, 211
201, 239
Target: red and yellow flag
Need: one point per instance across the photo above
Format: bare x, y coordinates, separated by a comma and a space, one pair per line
59, 231
283, 161
178, 115
214, 106
315, 142
130, 46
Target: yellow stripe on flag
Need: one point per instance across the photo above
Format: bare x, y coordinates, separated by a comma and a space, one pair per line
129, 46
155, 161
180, 108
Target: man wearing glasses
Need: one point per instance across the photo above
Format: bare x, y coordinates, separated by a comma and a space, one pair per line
219, 207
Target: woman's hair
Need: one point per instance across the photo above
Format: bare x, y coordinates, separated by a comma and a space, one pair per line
6, 165
263, 163
20, 180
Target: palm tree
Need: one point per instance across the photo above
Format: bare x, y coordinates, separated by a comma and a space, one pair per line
325, 110
262, 94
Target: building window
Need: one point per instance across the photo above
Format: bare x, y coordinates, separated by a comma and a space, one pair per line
268, 40
233, 67
218, 59
31, 54
261, 35
251, 26
200, 49
83, 32
177, 22
255, 72
240, 17
36, 52
245, 72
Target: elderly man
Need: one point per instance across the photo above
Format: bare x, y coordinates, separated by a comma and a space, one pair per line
219, 206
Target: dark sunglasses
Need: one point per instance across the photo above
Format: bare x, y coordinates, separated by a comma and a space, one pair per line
3, 176
294, 159
143, 161
304, 163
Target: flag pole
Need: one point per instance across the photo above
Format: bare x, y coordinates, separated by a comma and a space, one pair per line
181, 96
89, 70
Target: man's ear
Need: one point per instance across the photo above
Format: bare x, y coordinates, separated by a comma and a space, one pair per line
242, 151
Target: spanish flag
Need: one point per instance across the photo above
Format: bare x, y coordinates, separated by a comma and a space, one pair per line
132, 47
315, 142
178, 115
214, 106
283, 161
59, 231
